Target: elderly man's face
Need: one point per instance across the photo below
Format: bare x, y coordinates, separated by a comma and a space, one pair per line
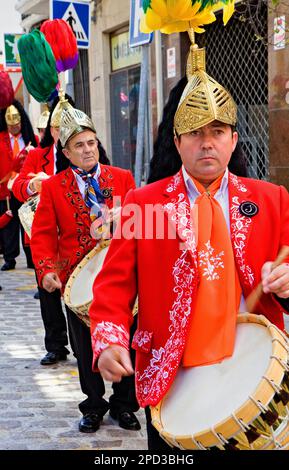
82, 150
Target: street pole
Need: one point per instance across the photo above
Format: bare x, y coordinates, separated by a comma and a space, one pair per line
142, 105
159, 75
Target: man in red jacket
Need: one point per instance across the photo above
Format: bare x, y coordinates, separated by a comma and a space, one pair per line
61, 237
215, 239
16, 133
39, 165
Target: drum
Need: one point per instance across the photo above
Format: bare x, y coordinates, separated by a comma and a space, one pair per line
78, 293
238, 404
26, 213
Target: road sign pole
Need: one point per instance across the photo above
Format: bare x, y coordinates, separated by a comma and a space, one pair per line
142, 105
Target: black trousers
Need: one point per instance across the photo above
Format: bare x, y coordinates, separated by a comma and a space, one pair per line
155, 442
10, 233
54, 321
92, 384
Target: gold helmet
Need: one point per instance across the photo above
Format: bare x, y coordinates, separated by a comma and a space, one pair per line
203, 100
12, 116
61, 105
73, 121
43, 119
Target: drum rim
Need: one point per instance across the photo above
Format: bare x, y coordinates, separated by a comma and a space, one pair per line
66, 295
206, 435
22, 214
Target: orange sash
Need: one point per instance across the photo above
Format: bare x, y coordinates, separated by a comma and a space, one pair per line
211, 335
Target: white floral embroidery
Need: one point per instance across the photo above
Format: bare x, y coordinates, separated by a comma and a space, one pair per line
154, 380
210, 262
141, 338
107, 333
175, 181
179, 213
239, 232
237, 183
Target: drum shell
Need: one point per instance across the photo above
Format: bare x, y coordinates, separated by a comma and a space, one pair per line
82, 309
27, 212
249, 412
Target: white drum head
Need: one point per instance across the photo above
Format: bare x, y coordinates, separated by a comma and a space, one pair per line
201, 397
81, 289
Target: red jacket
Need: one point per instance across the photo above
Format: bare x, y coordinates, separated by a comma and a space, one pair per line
37, 160
6, 162
61, 227
163, 272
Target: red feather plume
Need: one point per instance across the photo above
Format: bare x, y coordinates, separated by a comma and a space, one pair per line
63, 43
6, 90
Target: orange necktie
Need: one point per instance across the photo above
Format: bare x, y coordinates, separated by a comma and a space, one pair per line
212, 329
16, 148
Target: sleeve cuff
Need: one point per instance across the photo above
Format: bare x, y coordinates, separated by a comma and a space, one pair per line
106, 334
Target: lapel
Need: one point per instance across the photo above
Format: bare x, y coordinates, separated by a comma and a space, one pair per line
107, 184
241, 227
73, 196
177, 209
48, 161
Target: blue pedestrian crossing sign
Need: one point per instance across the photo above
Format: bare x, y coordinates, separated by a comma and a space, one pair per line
136, 37
77, 15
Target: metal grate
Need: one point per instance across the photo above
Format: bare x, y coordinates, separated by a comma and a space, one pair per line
240, 63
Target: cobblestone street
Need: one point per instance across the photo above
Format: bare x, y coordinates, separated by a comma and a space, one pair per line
39, 404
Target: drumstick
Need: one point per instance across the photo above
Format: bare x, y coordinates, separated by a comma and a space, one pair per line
8, 203
255, 295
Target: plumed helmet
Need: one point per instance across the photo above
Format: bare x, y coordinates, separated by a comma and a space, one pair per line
61, 105
43, 119
12, 116
204, 100
73, 121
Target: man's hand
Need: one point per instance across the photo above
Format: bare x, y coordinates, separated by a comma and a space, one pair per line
276, 280
114, 363
35, 183
51, 282
101, 226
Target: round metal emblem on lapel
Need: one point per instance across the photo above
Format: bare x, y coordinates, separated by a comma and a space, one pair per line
249, 209
106, 193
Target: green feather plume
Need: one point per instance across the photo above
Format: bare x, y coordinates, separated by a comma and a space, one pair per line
38, 65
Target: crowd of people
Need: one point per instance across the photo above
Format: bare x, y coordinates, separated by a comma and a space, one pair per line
215, 256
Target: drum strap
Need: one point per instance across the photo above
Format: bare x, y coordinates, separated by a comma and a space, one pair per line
212, 329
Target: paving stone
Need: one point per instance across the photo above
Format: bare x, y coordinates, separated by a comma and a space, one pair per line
109, 444
3, 406
5, 425
13, 446
35, 405
16, 414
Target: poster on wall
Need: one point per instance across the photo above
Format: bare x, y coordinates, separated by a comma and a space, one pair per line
171, 62
279, 39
